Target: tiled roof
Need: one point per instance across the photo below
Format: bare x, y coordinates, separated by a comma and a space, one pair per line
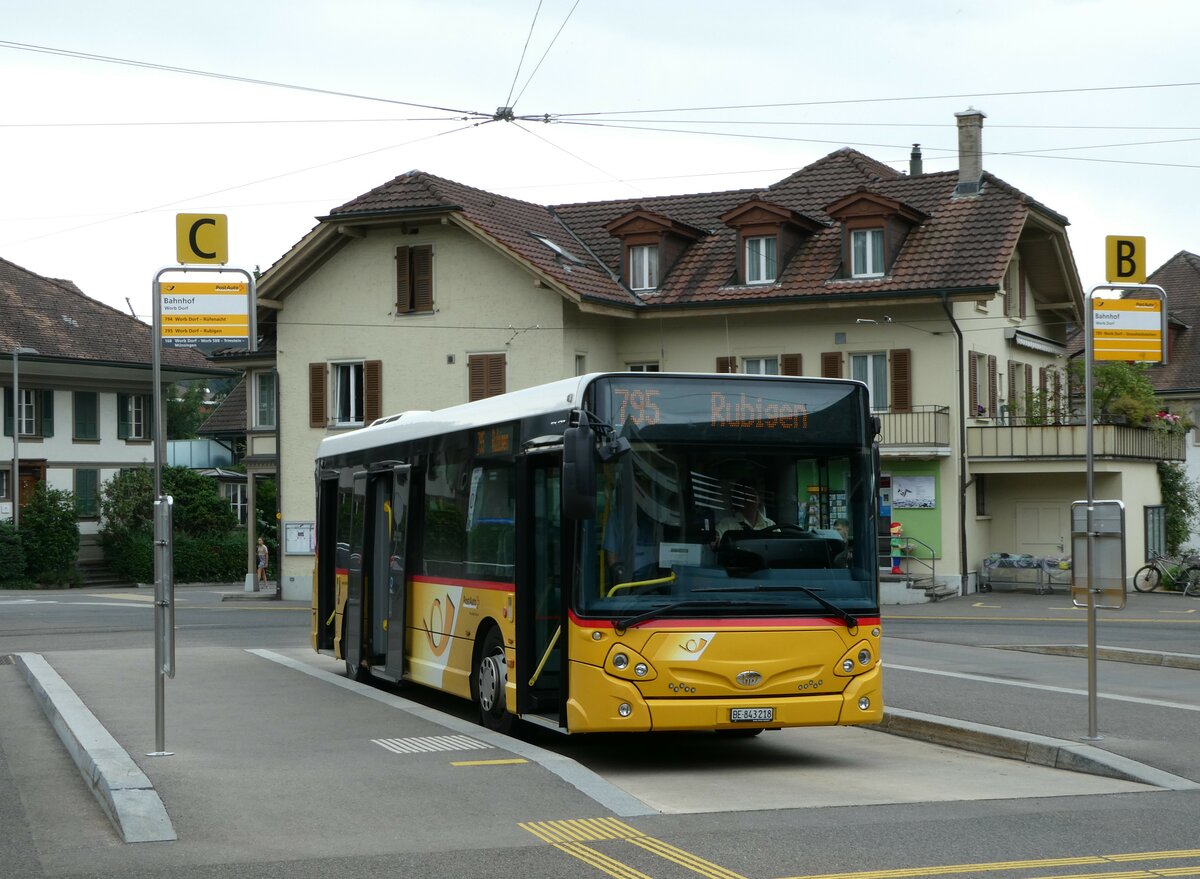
510, 222
230, 414
57, 320
1180, 278
962, 244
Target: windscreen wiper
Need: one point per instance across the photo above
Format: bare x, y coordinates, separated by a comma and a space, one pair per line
659, 610
848, 618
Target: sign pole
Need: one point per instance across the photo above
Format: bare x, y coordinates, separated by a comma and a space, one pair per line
164, 582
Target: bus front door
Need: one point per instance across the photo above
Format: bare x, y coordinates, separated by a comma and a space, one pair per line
395, 575
541, 634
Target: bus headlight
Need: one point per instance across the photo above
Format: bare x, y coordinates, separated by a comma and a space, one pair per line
640, 669
624, 709
847, 665
864, 656
620, 661
864, 703
623, 662
858, 660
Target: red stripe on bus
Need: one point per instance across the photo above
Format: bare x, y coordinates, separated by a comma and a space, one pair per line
727, 623
466, 584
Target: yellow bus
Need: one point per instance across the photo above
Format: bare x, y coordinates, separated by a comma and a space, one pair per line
613, 552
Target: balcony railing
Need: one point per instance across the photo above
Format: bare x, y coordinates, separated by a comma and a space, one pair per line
923, 427
1017, 438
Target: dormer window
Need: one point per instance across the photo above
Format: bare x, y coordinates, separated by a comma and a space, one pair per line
874, 228
761, 264
866, 253
768, 235
643, 267
651, 244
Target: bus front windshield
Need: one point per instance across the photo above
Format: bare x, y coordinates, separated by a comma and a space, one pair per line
730, 530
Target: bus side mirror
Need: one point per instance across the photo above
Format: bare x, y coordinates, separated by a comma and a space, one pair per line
579, 471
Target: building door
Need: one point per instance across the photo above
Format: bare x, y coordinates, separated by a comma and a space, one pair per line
1043, 528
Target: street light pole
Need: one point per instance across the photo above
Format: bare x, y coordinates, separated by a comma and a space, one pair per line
15, 479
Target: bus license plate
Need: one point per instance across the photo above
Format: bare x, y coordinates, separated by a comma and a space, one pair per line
751, 715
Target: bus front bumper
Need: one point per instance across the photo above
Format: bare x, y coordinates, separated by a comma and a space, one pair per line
602, 703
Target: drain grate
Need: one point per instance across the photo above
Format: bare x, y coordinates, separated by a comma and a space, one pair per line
426, 744
7, 659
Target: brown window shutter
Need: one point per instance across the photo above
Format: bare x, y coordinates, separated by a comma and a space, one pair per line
901, 380
1012, 386
726, 364
831, 364
485, 375
790, 364
1028, 382
1057, 393
1043, 379
317, 395
973, 383
404, 292
992, 385
422, 278
372, 390
1021, 291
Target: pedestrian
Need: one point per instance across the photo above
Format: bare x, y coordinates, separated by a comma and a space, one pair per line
263, 555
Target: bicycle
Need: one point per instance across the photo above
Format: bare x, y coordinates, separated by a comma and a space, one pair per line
1162, 569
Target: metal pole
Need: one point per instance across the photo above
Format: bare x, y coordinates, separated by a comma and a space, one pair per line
162, 596
1088, 354
16, 429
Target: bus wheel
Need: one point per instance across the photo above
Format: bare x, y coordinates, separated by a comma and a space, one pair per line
491, 674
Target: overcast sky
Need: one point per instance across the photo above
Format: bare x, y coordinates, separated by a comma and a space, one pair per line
1093, 109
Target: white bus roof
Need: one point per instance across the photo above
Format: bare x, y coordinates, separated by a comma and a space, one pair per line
544, 399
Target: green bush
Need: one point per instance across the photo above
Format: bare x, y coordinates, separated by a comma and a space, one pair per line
12, 559
220, 559
127, 502
50, 537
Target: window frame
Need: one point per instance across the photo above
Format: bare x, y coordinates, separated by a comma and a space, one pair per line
257, 420
414, 279
135, 404
4, 483
873, 252
236, 499
764, 262
643, 275
871, 359
356, 389
765, 362
643, 366
27, 413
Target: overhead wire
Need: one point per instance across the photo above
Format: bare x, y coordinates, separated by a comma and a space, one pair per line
524, 49
591, 165
547, 52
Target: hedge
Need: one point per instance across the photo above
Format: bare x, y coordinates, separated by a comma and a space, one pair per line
219, 559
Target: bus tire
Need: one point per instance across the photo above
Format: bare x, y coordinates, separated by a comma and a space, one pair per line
488, 679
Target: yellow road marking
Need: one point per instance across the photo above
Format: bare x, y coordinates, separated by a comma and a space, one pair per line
508, 762
579, 830
981, 604
124, 596
1045, 862
685, 859
600, 861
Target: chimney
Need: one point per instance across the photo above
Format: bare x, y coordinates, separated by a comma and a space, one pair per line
915, 166
970, 151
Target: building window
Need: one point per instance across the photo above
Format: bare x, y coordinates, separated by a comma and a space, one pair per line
235, 493
981, 494
643, 267
485, 376
414, 279
760, 365
1014, 293
866, 253
760, 260
871, 369
580, 364
4, 493
87, 493
27, 414
1156, 530
34, 416
134, 417
264, 399
86, 407
347, 394
648, 366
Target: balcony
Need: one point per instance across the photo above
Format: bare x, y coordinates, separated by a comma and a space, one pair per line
1015, 438
923, 432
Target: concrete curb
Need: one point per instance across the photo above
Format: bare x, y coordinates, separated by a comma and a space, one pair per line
1113, 654
1027, 747
122, 789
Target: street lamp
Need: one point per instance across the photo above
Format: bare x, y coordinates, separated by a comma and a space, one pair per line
15, 479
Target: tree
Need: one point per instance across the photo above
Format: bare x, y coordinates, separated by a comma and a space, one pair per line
50, 536
1118, 388
186, 409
